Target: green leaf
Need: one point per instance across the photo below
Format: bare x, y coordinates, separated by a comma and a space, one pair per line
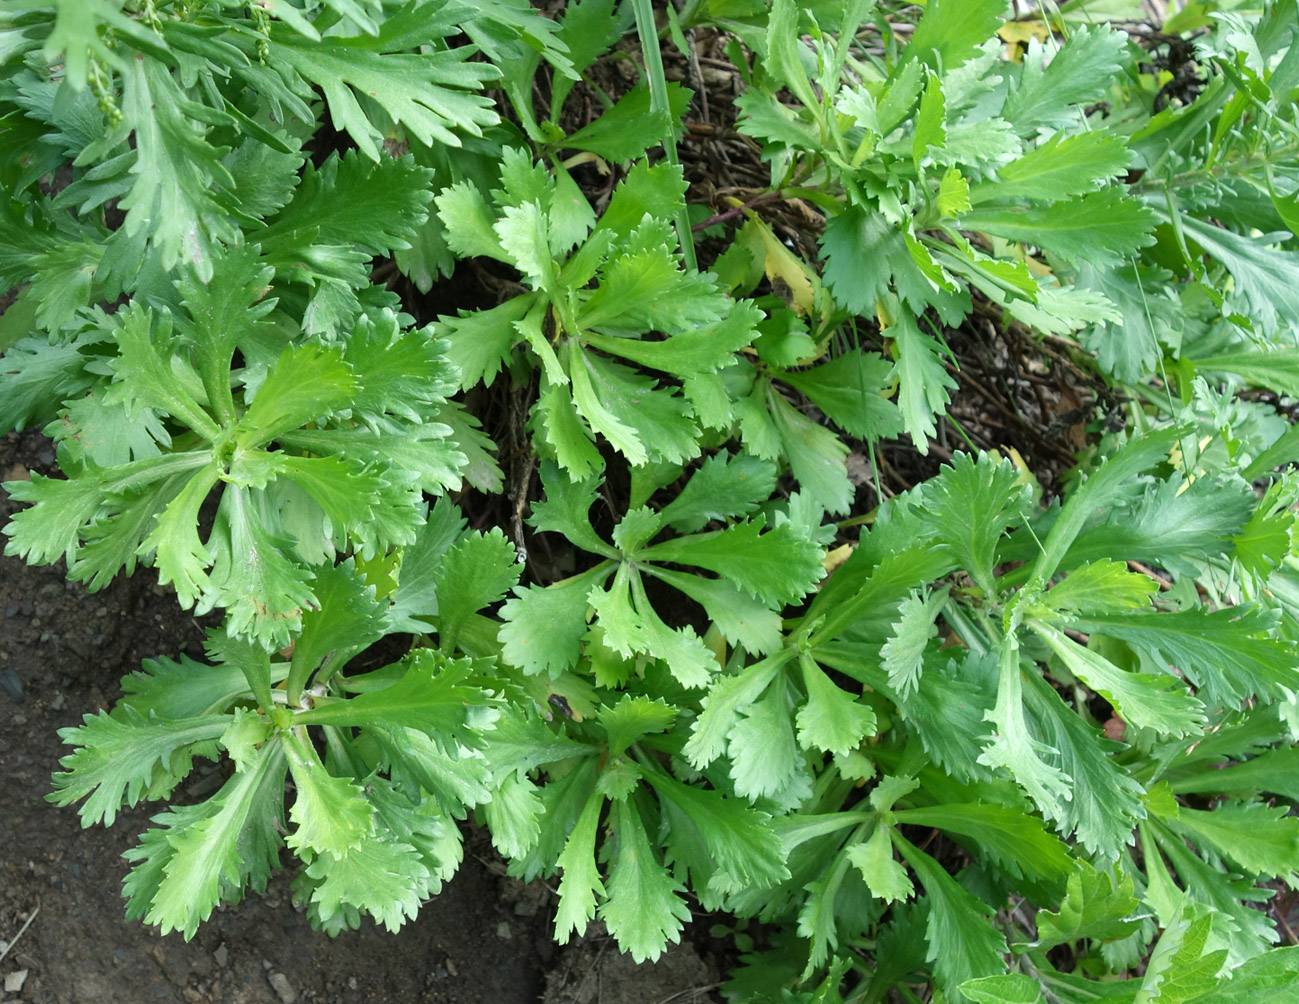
427, 93
1013, 746
723, 487
903, 653
565, 508
640, 421
1096, 905
1079, 72
931, 121
34, 377
742, 619
970, 505
1105, 802
962, 944
480, 341
348, 619
1264, 277
884, 876
204, 853
172, 200
1101, 228
1232, 653
831, 721
633, 717
122, 757
477, 571
308, 383
543, 628
431, 696
580, 886
644, 911
777, 566
747, 853
263, 590
850, 390
923, 383
1146, 700
1013, 988
629, 128
1011, 837
817, 456
1063, 167
1262, 840
1104, 487
148, 372
951, 31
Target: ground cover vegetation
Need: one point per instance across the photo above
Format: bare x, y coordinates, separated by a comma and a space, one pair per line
1016, 733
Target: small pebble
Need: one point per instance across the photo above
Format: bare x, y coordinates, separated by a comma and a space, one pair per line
352, 984
503, 931
451, 967
12, 685
280, 984
221, 956
14, 981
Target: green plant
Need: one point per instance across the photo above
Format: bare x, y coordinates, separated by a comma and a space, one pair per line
886, 745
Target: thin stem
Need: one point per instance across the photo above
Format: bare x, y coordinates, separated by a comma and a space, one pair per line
659, 105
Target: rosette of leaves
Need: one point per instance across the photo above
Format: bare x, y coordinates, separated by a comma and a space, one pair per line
608, 301
305, 450
373, 821
982, 742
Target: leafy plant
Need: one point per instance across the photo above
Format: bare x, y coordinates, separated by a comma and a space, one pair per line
974, 741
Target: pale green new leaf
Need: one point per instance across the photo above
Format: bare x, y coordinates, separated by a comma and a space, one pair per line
122, 757
903, 653
1103, 586
1013, 988
886, 878
332, 814
580, 886
1146, 700
644, 911
765, 758
383, 877
1065, 166
831, 720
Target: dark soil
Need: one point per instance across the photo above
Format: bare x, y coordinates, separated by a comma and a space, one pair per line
485, 938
